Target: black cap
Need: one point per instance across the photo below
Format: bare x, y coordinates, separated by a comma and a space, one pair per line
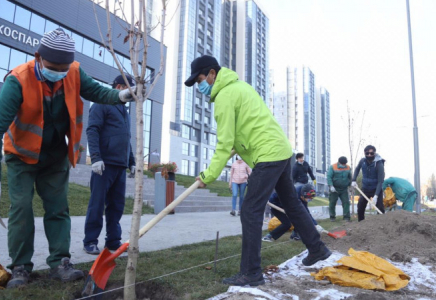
198, 65
342, 160
119, 80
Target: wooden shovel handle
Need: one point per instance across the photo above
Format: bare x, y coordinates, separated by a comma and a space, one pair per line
370, 202
171, 206
276, 207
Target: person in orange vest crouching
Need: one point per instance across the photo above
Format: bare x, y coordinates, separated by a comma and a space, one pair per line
41, 105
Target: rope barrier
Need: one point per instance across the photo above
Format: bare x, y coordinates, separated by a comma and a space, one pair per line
175, 272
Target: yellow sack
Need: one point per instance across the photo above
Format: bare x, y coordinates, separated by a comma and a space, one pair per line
364, 270
390, 199
274, 223
4, 277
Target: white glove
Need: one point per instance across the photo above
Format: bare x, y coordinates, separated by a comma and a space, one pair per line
332, 189
98, 167
354, 184
125, 95
132, 169
374, 200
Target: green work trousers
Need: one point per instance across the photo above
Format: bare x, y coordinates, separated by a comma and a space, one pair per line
51, 181
333, 199
409, 202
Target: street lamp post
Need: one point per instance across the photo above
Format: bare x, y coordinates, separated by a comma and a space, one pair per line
415, 124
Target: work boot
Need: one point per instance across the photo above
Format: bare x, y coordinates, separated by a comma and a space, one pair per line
347, 220
321, 254
233, 213
65, 271
245, 279
19, 277
332, 219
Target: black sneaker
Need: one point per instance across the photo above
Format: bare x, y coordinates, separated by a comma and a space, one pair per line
245, 279
268, 238
321, 254
295, 236
65, 271
20, 277
91, 249
233, 213
332, 219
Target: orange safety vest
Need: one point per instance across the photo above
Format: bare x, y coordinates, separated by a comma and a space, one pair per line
24, 136
336, 168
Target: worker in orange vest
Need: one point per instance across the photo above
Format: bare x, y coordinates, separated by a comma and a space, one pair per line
40, 107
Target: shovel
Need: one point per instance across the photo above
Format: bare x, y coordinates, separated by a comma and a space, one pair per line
336, 235
370, 202
105, 262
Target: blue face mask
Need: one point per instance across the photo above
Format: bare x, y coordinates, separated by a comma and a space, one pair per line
51, 75
205, 88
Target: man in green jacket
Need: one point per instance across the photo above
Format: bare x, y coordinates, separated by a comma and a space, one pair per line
404, 191
40, 106
339, 179
244, 123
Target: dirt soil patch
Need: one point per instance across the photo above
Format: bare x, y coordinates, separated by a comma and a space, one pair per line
398, 235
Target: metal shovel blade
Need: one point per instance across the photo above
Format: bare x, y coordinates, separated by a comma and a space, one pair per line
337, 234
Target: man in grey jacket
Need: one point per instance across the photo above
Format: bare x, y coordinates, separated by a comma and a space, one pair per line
373, 172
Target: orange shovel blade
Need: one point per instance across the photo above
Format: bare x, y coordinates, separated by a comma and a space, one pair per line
337, 234
103, 267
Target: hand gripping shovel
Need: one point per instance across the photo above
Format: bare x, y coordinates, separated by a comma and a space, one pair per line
336, 235
105, 262
367, 199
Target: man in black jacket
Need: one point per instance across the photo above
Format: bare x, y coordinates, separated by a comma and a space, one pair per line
111, 153
373, 175
300, 170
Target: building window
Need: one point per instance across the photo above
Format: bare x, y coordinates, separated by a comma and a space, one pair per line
194, 150
147, 127
192, 168
212, 140
200, 26
7, 10
205, 136
209, 33
200, 41
198, 100
211, 152
185, 148
204, 166
197, 117
37, 25
206, 120
205, 153
22, 17
185, 131
88, 47
184, 167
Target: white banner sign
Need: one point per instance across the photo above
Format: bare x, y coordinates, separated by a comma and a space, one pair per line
16, 35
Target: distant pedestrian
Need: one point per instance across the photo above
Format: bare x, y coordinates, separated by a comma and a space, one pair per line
300, 170
108, 125
339, 180
238, 182
373, 175
404, 191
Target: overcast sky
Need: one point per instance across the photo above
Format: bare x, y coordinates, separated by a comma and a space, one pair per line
358, 50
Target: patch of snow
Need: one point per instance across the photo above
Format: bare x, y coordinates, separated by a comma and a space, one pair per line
331, 294
419, 274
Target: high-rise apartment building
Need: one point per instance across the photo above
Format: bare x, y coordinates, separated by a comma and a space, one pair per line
212, 27
303, 111
245, 43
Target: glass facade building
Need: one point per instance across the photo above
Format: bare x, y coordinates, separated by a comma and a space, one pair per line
22, 24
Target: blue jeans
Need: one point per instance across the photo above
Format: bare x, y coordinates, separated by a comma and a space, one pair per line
235, 188
265, 177
107, 197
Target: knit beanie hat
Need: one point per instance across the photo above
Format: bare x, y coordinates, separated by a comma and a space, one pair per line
342, 160
57, 47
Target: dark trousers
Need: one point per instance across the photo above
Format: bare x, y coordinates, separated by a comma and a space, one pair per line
50, 178
362, 203
108, 197
265, 177
282, 228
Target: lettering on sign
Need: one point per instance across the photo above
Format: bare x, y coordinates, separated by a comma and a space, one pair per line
19, 36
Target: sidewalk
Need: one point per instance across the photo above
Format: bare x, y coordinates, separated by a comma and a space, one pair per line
173, 230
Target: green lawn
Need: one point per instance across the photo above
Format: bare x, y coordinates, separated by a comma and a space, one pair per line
219, 187
78, 198
196, 283
319, 201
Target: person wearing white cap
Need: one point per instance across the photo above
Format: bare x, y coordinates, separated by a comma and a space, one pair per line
41, 113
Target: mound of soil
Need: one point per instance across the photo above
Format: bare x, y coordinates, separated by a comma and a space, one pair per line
398, 235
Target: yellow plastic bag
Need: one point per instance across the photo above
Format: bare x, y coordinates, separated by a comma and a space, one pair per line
4, 277
389, 199
364, 270
274, 223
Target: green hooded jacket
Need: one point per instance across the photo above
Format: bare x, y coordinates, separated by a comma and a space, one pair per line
244, 123
401, 187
